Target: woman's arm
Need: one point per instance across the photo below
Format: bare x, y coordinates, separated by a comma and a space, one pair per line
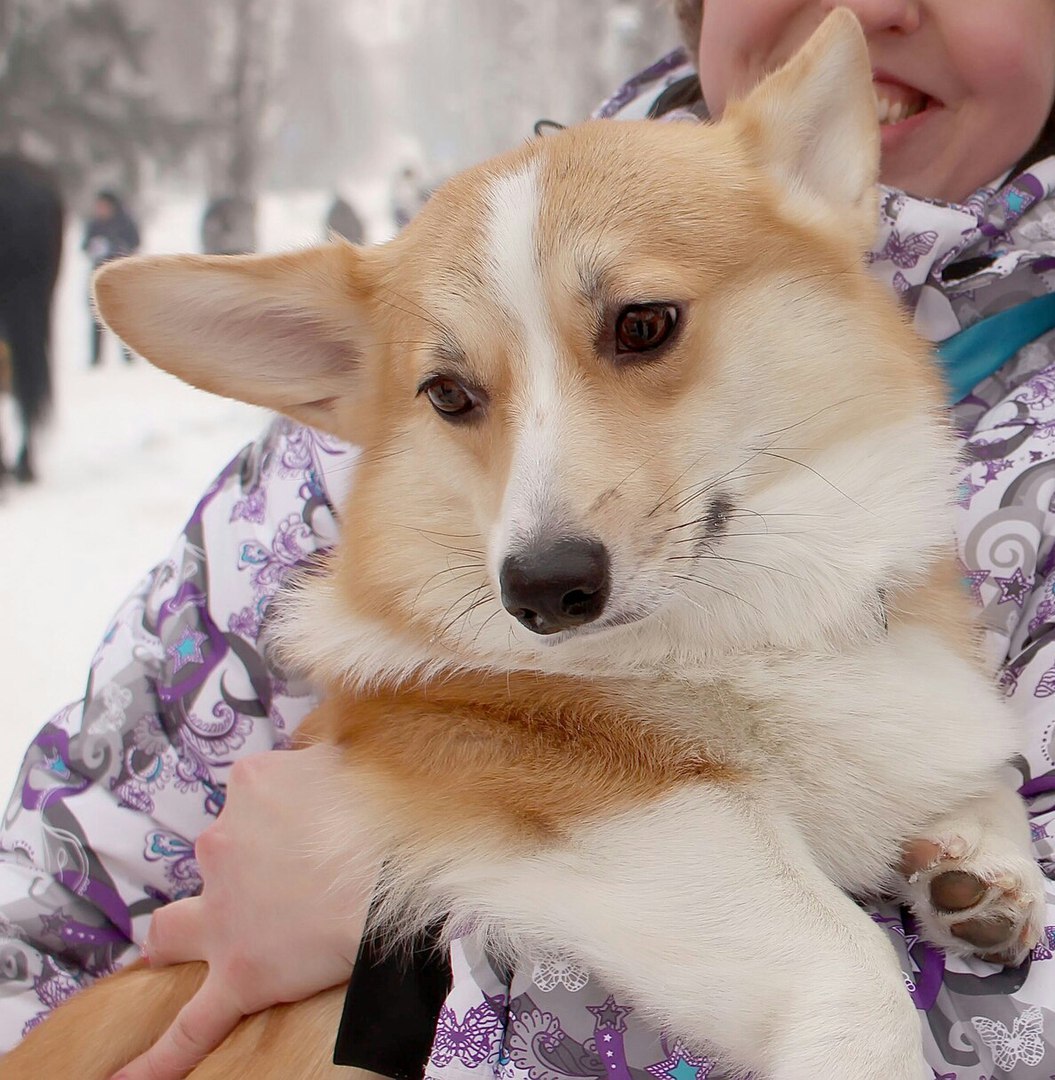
115, 789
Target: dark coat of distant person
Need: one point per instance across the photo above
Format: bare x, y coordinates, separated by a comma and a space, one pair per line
31, 224
110, 233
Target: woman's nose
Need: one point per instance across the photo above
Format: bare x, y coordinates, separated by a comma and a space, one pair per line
876, 15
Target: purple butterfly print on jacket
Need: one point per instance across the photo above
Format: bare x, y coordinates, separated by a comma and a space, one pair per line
905, 252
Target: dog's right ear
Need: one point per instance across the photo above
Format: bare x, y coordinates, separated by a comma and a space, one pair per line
286, 332
815, 123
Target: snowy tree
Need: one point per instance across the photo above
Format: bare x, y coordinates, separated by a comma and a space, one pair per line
220, 64
74, 92
469, 78
246, 36
235, 97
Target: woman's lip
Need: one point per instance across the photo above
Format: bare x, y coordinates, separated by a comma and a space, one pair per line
894, 135
881, 77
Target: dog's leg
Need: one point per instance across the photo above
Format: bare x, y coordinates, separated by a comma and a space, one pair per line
973, 882
286, 1042
109, 1024
707, 912
104, 1027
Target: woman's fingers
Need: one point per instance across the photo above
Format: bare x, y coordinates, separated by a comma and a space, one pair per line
176, 934
202, 1024
275, 921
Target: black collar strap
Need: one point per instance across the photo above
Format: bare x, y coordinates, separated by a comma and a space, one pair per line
393, 1005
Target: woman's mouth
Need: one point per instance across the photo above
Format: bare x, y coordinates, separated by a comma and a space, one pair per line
896, 102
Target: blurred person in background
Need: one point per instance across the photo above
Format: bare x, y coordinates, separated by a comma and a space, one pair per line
117, 789
409, 194
31, 236
342, 219
110, 233
228, 226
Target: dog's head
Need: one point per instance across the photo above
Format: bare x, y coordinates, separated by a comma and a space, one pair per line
625, 395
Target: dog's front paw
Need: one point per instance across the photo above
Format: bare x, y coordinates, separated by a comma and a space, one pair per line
976, 895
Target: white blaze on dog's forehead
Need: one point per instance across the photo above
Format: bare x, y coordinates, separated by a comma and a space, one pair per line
516, 278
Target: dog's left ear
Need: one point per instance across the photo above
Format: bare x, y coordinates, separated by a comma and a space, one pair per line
287, 332
814, 121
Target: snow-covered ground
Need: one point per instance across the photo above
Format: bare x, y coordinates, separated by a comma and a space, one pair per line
128, 453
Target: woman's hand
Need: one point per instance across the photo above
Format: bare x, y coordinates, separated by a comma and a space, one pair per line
274, 923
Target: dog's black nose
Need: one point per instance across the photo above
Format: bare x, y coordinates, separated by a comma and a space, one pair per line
558, 586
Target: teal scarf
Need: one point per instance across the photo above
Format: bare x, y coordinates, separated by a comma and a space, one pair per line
975, 353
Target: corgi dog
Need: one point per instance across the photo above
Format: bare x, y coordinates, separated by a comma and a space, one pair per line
643, 637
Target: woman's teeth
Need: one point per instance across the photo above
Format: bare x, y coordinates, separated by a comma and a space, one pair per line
890, 111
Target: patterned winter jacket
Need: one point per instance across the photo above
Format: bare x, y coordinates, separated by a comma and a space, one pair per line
100, 830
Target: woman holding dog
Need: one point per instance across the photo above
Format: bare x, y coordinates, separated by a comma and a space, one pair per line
118, 789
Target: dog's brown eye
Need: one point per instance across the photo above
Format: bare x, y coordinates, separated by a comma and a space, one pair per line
643, 327
448, 397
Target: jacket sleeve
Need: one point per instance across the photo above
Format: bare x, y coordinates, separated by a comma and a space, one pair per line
1006, 529
114, 790
1028, 678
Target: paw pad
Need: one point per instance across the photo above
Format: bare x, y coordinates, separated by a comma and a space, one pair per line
956, 890
972, 901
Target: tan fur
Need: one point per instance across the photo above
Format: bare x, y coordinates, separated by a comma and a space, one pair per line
530, 755
152, 997
5, 368
257, 1050
941, 604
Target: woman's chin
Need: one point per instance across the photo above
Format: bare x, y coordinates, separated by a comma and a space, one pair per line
908, 155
